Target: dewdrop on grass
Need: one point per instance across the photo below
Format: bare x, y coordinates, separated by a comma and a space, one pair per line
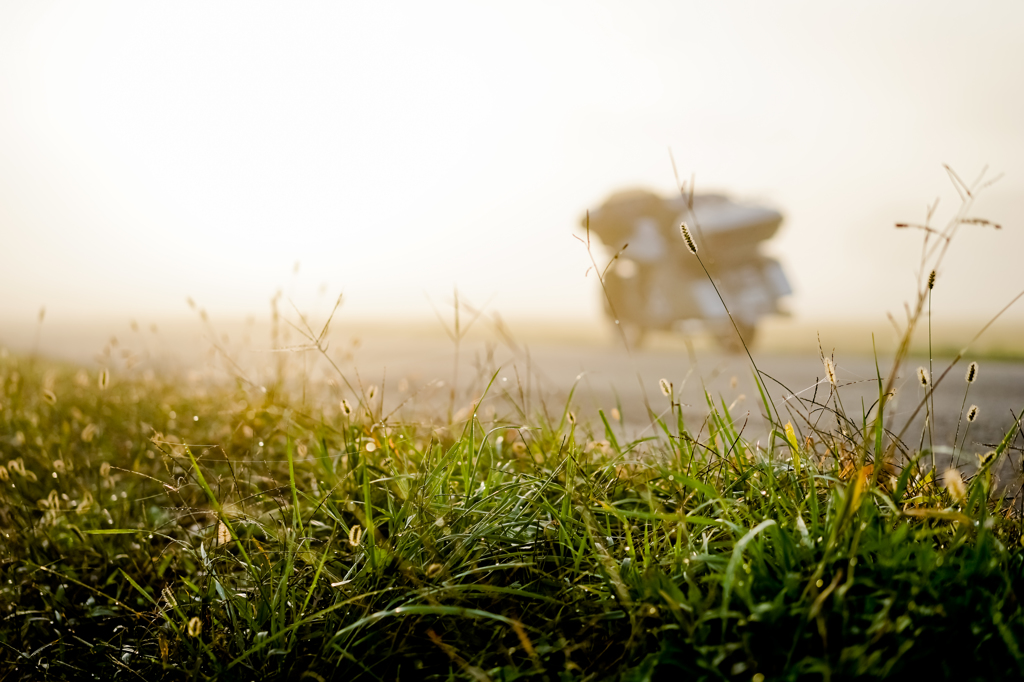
688, 238
922, 376
972, 372
972, 413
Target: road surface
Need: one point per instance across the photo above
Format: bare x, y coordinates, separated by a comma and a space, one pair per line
417, 370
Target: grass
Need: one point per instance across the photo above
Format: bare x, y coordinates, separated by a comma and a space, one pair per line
156, 528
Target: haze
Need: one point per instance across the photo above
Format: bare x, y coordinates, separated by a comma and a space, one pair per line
150, 152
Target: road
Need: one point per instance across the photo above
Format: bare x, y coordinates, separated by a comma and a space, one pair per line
417, 371
606, 377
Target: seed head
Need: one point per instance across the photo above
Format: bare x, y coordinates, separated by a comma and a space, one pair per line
972, 413
355, 534
972, 372
195, 627
223, 534
931, 280
105, 469
666, 387
433, 570
955, 485
986, 459
572, 418
922, 376
168, 595
830, 371
49, 396
688, 238
104, 379
89, 432
346, 409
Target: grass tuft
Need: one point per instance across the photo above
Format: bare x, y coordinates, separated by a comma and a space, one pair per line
158, 528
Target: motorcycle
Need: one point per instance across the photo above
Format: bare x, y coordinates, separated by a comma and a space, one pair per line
655, 283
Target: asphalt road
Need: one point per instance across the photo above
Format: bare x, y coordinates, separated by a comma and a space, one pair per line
417, 373
606, 378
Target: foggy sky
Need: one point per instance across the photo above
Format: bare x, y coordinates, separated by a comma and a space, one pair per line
150, 152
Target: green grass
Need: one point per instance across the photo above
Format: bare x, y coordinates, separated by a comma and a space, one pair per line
158, 528
347, 548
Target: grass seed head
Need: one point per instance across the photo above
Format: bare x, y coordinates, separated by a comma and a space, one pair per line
49, 396
666, 387
572, 418
830, 371
931, 280
922, 376
89, 432
688, 238
105, 469
355, 535
86, 504
956, 486
346, 409
169, 596
986, 459
4, 476
972, 372
104, 380
972, 413
223, 534
195, 627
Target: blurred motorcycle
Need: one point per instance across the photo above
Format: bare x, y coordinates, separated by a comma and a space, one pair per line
655, 283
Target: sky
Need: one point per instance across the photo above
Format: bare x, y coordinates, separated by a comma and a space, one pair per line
392, 152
